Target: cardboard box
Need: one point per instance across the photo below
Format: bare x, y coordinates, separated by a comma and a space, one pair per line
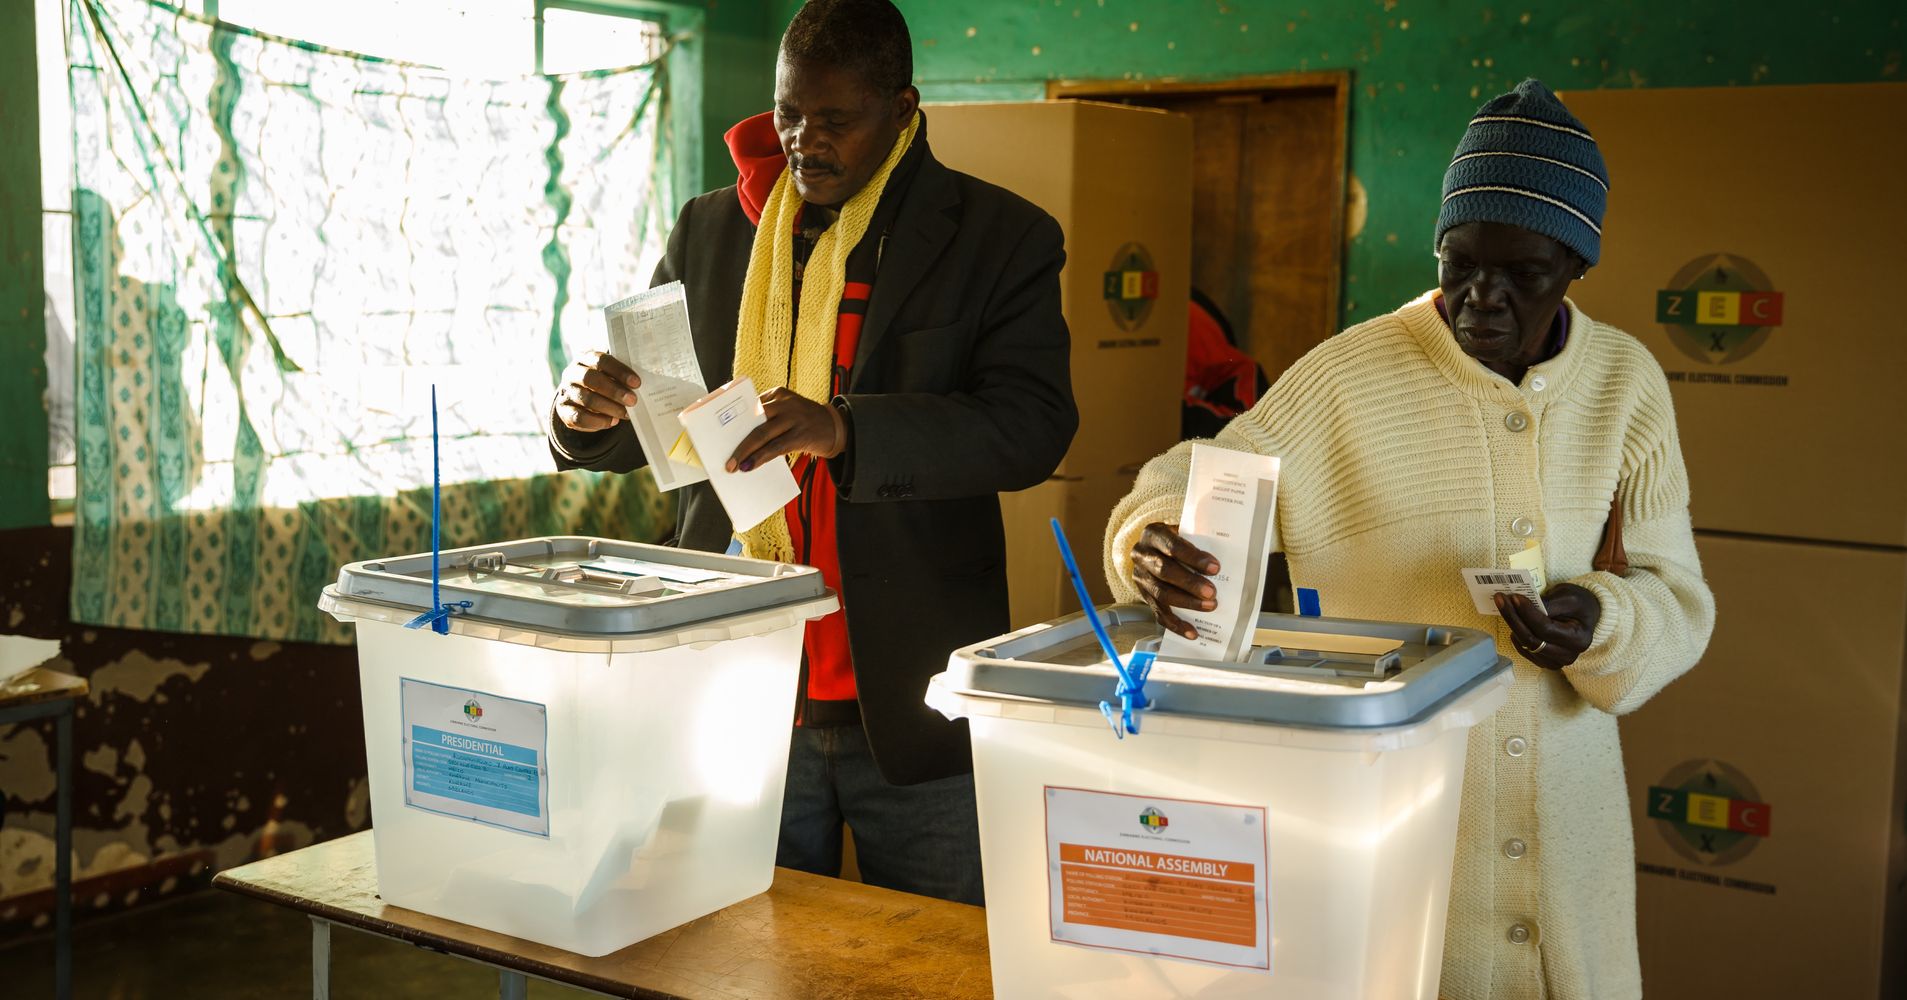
1038, 588
1768, 786
1119, 181
1787, 202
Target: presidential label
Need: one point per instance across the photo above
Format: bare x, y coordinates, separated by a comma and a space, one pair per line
476, 756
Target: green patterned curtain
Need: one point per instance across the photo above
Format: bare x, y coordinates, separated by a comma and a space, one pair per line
279, 249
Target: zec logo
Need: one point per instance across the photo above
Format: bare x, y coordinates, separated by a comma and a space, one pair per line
472, 710
1153, 820
1131, 286
1710, 813
1719, 308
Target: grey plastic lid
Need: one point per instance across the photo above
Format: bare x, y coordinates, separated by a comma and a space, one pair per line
1286, 684
581, 586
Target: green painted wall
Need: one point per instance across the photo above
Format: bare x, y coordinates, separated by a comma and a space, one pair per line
1419, 69
739, 78
22, 278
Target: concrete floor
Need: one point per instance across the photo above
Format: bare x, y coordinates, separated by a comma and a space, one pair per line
212, 945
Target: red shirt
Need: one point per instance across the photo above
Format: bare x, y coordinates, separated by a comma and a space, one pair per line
830, 665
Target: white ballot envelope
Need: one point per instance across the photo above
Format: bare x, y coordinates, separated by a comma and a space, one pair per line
649, 332
716, 425
1229, 502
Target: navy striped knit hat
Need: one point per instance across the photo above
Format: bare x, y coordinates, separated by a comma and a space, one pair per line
1526, 161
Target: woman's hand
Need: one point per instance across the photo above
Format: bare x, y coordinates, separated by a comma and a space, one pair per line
1171, 572
1556, 639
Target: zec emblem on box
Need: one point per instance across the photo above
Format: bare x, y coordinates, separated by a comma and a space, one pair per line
1719, 308
1710, 813
1131, 286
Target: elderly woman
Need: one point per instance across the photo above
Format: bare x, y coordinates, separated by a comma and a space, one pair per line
1485, 417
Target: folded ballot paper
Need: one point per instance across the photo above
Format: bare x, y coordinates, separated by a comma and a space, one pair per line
1229, 501
649, 332
716, 425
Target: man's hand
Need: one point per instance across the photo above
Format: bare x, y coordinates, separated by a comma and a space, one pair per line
1556, 639
1171, 572
796, 425
595, 392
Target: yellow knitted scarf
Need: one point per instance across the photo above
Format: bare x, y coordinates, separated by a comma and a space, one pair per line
766, 324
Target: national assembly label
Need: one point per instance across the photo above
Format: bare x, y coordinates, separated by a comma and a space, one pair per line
1159, 876
476, 756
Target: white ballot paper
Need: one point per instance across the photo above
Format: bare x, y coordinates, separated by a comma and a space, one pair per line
1485, 584
1229, 502
716, 425
649, 332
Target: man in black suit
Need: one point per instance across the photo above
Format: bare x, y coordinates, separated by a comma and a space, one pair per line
949, 385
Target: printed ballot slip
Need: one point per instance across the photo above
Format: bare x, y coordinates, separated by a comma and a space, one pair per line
716, 425
1230, 498
649, 332
1485, 584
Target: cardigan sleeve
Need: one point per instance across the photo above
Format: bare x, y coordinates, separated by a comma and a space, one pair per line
1159, 493
1656, 621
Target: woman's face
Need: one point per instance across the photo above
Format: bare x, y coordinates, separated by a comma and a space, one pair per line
1502, 286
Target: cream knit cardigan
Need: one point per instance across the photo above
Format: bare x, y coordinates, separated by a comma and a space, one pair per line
1403, 462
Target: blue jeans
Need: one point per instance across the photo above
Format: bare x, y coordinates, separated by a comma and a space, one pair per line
923, 839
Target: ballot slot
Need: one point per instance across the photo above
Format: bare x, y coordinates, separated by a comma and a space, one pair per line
572, 576
1295, 661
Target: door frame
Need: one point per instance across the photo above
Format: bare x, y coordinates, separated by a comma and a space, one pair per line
1337, 82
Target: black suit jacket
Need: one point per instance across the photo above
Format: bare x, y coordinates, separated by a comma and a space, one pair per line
961, 390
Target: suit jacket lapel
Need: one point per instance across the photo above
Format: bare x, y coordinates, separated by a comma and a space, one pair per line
921, 231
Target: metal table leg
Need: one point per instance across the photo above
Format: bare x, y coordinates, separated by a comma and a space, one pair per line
63, 857
320, 959
512, 985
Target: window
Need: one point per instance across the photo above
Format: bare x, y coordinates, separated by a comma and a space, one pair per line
486, 39
578, 40
56, 206
283, 252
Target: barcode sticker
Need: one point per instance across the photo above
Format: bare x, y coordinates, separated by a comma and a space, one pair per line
1485, 584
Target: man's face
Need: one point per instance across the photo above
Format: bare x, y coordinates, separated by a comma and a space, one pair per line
1502, 286
835, 129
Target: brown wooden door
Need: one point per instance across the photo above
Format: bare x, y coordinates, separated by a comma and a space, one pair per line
1268, 203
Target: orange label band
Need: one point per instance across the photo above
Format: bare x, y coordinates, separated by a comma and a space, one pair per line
1220, 912
1165, 864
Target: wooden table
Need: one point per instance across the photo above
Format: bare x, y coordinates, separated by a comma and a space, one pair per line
807, 936
38, 694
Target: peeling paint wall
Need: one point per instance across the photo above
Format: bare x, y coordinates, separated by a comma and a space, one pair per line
191, 753
1420, 69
